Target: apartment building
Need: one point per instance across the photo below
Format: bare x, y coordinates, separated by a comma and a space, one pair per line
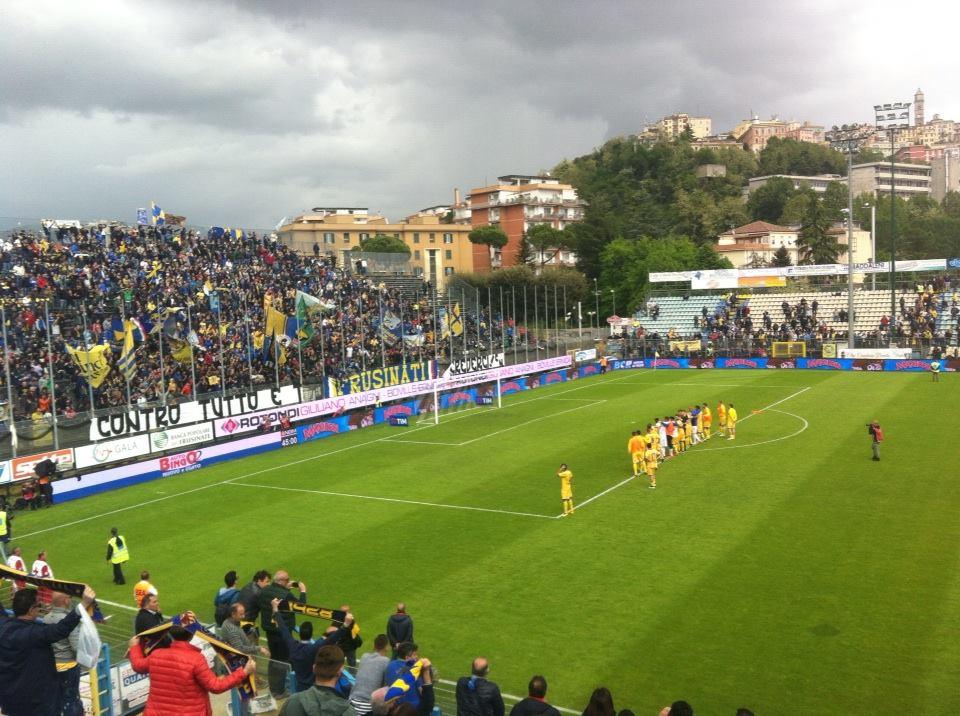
754, 133
874, 178
817, 182
437, 250
945, 173
753, 245
516, 203
676, 124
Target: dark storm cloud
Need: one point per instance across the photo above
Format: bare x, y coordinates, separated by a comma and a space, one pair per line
246, 111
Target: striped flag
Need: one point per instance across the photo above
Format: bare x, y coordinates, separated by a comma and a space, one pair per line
127, 363
405, 681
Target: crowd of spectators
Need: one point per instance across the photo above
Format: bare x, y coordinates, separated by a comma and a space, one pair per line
87, 280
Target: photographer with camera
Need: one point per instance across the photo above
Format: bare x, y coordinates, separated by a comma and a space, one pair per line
278, 589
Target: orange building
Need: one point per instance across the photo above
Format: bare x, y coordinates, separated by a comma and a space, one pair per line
517, 203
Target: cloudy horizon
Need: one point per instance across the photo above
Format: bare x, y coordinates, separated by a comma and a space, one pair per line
241, 113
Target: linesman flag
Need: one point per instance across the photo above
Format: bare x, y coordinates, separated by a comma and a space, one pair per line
92, 364
128, 354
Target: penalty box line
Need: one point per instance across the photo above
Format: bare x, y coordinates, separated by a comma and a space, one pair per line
397, 500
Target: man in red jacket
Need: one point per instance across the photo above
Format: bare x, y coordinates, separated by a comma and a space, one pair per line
180, 680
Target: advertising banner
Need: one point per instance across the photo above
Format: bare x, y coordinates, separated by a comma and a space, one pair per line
382, 415
740, 362
21, 468
627, 364
556, 376
585, 356
588, 369
5, 471
667, 363
513, 386
915, 366
458, 397
474, 365
719, 278
161, 417
163, 440
156, 467
378, 378
825, 363
324, 429
112, 451
134, 687
241, 424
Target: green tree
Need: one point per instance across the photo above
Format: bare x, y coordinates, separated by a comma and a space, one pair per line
781, 257
546, 242
383, 244
816, 244
834, 200
788, 156
492, 236
867, 156
767, 202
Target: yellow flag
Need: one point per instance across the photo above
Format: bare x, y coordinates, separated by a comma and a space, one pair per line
92, 364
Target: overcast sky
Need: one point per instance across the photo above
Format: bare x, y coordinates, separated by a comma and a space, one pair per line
241, 113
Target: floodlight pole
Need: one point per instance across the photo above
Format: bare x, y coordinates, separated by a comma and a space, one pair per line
890, 117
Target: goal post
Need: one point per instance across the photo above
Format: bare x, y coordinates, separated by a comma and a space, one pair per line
789, 349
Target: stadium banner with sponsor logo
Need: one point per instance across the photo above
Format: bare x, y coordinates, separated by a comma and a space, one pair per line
627, 364
824, 363
175, 438
554, 376
170, 465
666, 362
913, 366
691, 345
408, 409
458, 397
111, 451
379, 378
5, 471
474, 365
740, 362
761, 281
730, 278
585, 356
21, 468
161, 417
323, 429
513, 386
588, 369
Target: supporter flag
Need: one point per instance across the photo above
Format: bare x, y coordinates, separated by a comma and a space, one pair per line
390, 329
453, 319
405, 681
116, 327
92, 364
152, 273
444, 323
182, 351
140, 332
128, 361
156, 215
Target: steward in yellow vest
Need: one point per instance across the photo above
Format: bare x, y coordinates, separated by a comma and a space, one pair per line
117, 554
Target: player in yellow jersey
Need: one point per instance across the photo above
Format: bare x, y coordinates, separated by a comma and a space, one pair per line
732, 422
721, 419
651, 466
680, 439
706, 419
636, 446
566, 489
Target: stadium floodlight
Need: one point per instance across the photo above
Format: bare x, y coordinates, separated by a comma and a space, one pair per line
891, 117
848, 139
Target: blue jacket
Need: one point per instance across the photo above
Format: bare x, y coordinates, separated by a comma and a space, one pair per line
302, 654
29, 685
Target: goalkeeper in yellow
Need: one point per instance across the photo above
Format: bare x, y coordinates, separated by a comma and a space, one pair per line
636, 446
566, 489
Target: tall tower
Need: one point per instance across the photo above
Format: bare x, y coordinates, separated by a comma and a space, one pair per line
918, 108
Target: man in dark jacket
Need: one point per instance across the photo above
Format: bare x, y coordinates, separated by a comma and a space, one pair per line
279, 589
249, 595
476, 696
29, 685
322, 698
304, 652
536, 702
399, 628
149, 615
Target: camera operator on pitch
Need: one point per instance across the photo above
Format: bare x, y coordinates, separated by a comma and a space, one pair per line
875, 432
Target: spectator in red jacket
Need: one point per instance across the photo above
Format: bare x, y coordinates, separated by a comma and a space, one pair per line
180, 680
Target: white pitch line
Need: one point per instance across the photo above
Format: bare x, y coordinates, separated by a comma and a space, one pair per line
762, 442
782, 400
706, 385
600, 494
280, 466
535, 420
392, 499
421, 442
117, 604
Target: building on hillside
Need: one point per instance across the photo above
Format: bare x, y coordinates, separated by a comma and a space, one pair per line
753, 134
753, 245
874, 178
918, 108
437, 250
676, 124
945, 174
516, 203
817, 182
717, 141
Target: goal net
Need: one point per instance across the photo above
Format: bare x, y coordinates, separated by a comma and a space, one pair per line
789, 349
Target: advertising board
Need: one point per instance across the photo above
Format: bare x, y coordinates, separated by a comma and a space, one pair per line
172, 439
21, 468
109, 451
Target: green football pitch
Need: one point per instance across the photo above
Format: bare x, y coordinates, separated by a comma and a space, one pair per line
784, 571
